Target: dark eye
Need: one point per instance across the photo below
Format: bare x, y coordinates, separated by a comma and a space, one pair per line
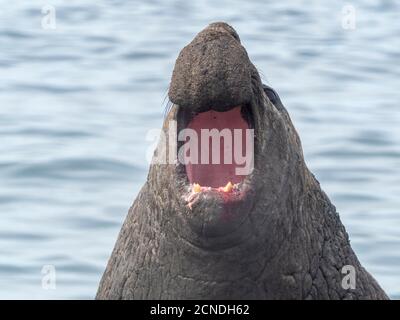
271, 94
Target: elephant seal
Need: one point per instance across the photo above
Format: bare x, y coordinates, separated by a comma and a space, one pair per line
269, 234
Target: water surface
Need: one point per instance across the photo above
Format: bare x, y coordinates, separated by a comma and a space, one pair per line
76, 103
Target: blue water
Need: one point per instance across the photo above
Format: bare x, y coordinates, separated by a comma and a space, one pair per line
77, 101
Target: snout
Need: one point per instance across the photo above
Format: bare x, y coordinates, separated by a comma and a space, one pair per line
212, 71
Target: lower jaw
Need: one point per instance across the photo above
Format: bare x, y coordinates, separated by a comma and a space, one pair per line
215, 215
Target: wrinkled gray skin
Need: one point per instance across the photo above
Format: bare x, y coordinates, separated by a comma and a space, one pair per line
283, 241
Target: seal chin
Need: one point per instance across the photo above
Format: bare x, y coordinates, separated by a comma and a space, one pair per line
216, 212
217, 181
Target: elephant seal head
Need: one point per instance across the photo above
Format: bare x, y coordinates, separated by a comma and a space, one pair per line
215, 89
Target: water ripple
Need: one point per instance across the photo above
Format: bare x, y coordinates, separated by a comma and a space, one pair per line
77, 102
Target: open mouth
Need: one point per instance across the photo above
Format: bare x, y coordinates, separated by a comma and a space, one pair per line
216, 152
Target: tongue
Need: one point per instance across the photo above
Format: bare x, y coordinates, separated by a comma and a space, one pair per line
217, 175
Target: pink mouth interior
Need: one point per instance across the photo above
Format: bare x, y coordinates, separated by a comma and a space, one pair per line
217, 175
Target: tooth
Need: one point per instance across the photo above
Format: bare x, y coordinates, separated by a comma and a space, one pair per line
196, 188
228, 187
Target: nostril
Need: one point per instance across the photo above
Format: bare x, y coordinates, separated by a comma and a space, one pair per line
226, 28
